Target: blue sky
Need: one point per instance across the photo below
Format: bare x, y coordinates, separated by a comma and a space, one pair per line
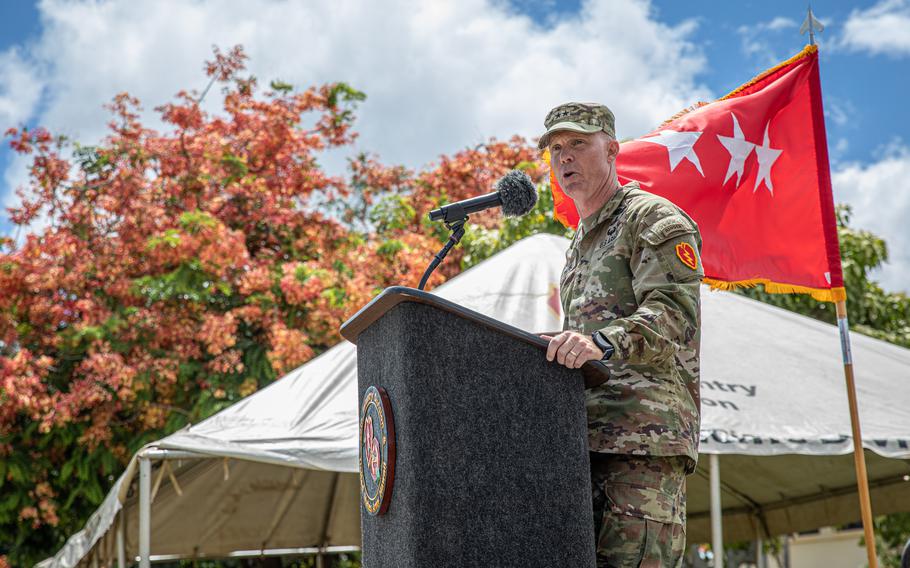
19, 22
441, 76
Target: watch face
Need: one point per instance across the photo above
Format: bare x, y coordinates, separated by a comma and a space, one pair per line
603, 344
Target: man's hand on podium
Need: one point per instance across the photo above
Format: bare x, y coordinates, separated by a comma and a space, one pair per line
572, 349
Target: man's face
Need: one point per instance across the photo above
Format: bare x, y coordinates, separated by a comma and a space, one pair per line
582, 162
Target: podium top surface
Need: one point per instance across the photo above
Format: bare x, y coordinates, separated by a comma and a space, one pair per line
594, 372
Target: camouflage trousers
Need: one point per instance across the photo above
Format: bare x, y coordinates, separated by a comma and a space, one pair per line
639, 510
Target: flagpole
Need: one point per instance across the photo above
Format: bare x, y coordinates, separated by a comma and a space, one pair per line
859, 458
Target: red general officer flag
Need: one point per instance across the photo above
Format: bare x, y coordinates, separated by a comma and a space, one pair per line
752, 170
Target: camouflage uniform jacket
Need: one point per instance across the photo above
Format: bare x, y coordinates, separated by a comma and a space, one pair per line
633, 271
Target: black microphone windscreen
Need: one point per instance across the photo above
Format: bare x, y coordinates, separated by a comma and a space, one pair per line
517, 192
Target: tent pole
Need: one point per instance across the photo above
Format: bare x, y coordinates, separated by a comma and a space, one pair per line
145, 510
859, 458
760, 560
717, 538
121, 547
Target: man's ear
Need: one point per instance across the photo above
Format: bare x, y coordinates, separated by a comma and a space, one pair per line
612, 149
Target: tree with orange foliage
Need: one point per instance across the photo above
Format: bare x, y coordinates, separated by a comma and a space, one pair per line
174, 273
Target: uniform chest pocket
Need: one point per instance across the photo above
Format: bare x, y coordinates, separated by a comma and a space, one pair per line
575, 267
602, 295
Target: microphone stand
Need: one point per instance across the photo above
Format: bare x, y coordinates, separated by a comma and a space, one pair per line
457, 228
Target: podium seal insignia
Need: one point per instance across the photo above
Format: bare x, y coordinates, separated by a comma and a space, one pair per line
377, 450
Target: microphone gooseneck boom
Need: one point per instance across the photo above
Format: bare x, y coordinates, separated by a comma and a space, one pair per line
515, 193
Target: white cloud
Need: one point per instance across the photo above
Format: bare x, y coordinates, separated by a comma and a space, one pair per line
838, 151
20, 89
781, 23
883, 28
839, 111
439, 76
880, 196
756, 41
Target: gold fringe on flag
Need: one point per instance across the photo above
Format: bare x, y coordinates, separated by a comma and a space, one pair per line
820, 294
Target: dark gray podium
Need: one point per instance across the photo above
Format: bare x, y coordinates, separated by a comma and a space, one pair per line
484, 440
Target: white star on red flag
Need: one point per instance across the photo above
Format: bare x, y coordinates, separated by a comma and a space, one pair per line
739, 149
679, 147
766, 158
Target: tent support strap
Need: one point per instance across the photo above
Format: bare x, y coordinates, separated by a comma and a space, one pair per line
717, 537
859, 458
145, 510
121, 545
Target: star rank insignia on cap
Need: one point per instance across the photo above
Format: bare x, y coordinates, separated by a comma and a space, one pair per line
687, 255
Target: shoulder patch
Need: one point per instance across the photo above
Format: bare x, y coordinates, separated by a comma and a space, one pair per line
667, 227
687, 255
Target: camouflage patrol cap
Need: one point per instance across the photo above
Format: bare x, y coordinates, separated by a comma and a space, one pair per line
578, 117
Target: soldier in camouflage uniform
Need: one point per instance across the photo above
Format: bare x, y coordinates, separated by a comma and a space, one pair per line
630, 295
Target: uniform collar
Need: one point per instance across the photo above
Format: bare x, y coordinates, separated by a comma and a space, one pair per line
602, 214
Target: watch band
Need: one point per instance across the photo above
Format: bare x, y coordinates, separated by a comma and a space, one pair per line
603, 344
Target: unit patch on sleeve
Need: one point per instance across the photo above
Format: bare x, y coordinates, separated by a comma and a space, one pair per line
686, 254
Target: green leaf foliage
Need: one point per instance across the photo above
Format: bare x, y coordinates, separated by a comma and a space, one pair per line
871, 310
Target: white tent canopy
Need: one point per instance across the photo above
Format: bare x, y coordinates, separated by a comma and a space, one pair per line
278, 469
774, 407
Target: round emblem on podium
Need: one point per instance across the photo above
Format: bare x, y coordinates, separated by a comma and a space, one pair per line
377, 450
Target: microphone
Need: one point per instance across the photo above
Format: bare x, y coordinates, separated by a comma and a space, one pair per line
515, 193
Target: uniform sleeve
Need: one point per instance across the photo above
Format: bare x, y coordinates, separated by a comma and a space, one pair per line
667, 273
